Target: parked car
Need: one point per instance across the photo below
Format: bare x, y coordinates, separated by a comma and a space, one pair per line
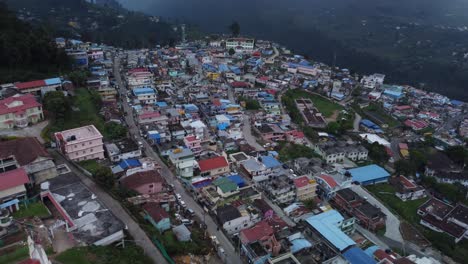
182, 203
190, 212
187, 222
178, 196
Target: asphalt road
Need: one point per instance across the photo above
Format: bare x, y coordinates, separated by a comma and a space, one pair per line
232, 257
392, 223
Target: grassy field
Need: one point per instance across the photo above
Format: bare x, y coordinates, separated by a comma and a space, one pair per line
325, 106
377, 114
104, 255
35, 209
407, 210
90, 165
15, 256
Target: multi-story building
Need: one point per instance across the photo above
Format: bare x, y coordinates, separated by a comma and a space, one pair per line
19, 111
445, 218
367, 215
194, 144
305, 188
122, 149
140, 77
333, 152
280, 189
82, 143
184, 161
233, 219
145, 95
240, 44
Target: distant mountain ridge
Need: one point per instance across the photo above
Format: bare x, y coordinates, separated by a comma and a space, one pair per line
100, 21
27, 53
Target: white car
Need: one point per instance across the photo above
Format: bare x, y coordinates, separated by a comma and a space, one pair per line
183, 204
178, 196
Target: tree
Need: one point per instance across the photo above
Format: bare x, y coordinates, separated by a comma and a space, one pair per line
235, 29
333, 128
78, 78
104, 177
458, 154
231, 51
56, 103
378, 153
115, 131
404, 167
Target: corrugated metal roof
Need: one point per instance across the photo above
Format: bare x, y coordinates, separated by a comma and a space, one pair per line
326, 224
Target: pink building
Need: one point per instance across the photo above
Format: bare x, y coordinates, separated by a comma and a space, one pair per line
193, 144
82, 143
144, 182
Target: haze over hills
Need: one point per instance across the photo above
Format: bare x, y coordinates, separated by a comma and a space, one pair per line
411, 41
103, 22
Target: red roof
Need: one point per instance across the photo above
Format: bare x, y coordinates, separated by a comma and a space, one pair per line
146, 115
138, 70
256, 233
13, 178
239, 84
190, 138
155, 211
256, 54
407, 183
403, 146
28, 101
217, 102
31, 84
213, 163
264, 78
402, 107
30, 261
329, 180
25, 150
301, 182
138, 179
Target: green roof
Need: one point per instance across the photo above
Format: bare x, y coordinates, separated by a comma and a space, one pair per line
226, 185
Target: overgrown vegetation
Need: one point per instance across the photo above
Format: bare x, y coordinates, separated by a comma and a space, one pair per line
15, 256
291, 151
408, 211
27, 53
376, 113
250, 104
79, 110
34, 209
325, 106
104, 255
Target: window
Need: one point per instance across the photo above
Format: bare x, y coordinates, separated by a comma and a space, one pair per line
151, 185
90, 143
76, 146
82, 144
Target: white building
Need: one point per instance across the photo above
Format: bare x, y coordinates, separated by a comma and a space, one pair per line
240, 44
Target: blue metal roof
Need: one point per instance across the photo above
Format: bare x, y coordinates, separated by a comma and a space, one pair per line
299, 244
368, 173
237, 179
53, 81
270, 162
127, 163
161, 104
357, 256
326, 224
143, 90
371, 250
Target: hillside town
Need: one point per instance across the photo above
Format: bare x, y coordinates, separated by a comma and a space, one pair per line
229, 150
